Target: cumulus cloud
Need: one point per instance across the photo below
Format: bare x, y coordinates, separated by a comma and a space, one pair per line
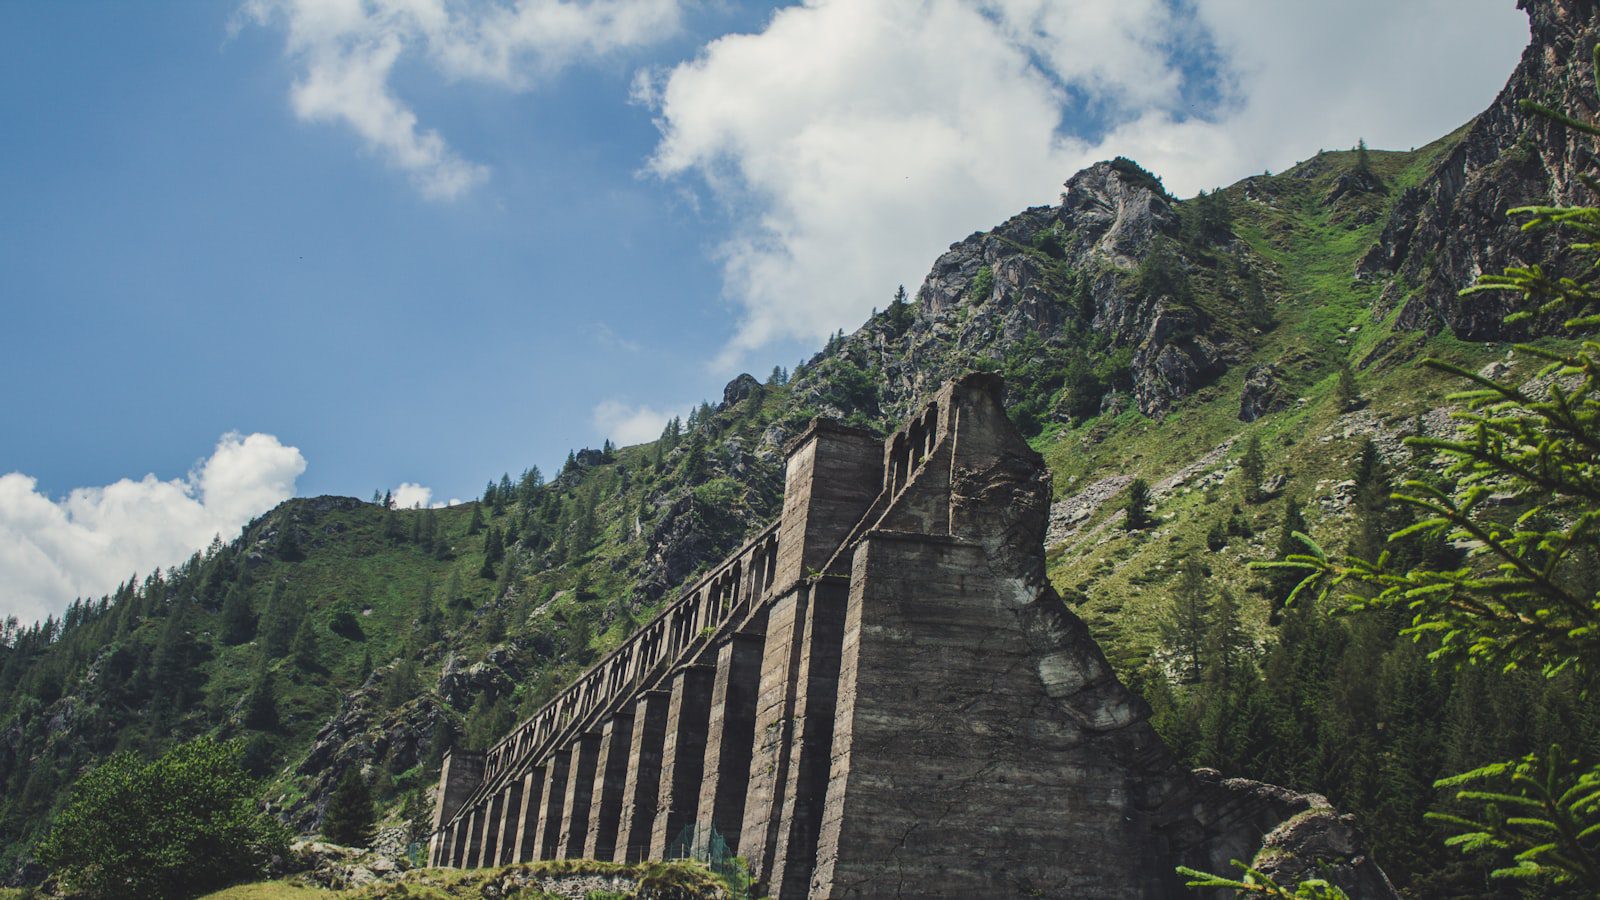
626, 425
411, 496
82, 545
347, 51
852, 140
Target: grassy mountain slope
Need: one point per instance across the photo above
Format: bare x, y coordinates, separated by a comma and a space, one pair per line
1141, 336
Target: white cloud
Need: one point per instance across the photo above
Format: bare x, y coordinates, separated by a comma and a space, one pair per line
411, 496
854, 139
626, 425
53, 550
347, 51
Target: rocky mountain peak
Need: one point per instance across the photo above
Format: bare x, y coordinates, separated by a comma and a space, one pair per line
1454, 225
1119, 207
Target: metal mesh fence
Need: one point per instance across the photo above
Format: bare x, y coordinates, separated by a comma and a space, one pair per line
706, 845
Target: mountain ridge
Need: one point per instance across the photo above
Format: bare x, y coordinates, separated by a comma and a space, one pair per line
1140, 335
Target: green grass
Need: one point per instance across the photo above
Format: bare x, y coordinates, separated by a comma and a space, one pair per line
685, 879
1324, 317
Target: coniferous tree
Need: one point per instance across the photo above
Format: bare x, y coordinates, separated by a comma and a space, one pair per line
1185, 621
238, 623
532, 481
493, 551
502, 496
288, 543
400, 684
1252, 469
175, 674
1280, 582
1346, 392
1137, 506
279, 622
350, 818
1257, 309
261, 702
304, 648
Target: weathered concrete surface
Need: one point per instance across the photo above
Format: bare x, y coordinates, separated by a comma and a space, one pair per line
642, 787
611, 779
881, 696
730, 737
683, 756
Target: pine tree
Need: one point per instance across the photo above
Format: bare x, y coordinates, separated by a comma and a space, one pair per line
528, 487
238, 623
288, 543
502, 496
899, 313
261, 702
401, 682
174, 665
349, 819
1281, 582
1185, 621
1137, 506
1345, 391
1252, 468
1363, 163
304, 648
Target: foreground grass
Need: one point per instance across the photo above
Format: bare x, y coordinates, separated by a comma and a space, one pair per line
683, 878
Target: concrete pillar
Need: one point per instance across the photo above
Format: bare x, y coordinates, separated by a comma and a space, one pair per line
683, 755
510, 823
489, 846
817, 689
532, 792
474, 838
642, 787
439, 848
730, 736
460, 772
610, 780
580, 792
769, 763
832, 475
459, 841
554, 797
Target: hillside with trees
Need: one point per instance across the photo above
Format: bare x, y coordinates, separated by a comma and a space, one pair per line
1206, 377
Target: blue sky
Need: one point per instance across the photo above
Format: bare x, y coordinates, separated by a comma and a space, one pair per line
331, 246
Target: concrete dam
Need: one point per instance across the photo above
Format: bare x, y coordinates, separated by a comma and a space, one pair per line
878, 695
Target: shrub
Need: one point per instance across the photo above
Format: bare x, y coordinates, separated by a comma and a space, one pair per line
183, 825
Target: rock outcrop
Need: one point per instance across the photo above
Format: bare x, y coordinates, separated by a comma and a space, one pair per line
1453, 227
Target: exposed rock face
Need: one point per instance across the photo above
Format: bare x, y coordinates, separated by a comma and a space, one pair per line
364, 735
1039, 274
1453, 227
739, 390
1173, 361
1262, 393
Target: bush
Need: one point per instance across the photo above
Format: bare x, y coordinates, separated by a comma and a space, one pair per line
181, 826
